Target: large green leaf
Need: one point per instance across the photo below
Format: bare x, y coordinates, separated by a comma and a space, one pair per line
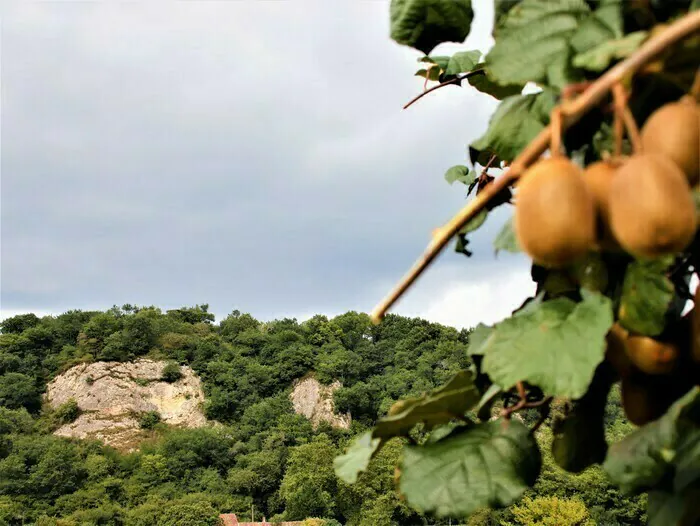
646, 296
555, 344
478, 338
506, 239
439, 406
599, 58
356, 459
489, 464
665, 451
516, 121
533, 37
423, 24
486, 84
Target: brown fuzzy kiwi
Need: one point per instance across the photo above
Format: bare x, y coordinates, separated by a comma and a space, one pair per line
674, 132
641, 399
651, 356
598, 177
615, 353
652, 212
554, 213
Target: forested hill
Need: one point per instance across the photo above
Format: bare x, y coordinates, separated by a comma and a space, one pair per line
264, 455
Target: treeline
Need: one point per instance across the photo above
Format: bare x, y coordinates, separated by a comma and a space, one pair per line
264, 455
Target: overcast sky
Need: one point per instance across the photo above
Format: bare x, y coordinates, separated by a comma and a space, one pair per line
252, 155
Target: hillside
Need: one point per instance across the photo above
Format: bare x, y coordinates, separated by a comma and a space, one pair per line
263, 453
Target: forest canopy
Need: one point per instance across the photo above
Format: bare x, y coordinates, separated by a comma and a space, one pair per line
264, 455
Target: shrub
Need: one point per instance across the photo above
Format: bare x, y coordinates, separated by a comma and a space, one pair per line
149, 419
171, 373
67, 412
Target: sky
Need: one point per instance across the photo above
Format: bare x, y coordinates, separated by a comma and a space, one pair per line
248, 154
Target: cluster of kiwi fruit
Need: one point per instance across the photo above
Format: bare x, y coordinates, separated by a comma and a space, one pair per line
641, 205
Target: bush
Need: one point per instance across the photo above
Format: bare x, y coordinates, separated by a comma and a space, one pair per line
551, 511
149, 419
171, 373
67, 413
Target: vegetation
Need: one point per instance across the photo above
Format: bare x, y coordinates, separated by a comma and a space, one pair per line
264, 454
609, 219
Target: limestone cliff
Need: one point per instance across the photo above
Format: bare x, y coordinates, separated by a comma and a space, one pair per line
111, 395
315, 401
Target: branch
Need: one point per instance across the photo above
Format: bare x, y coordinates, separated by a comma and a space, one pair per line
456, 80
572, 112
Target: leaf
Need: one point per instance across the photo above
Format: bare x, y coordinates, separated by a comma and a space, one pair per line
605, 24
534, 35
423, 24
437, 407
486, 465
483, 408
666, 450
478, 339
555, 344
356, 459
475, 222
674, 509
460, 173
579, 438
486, 84
462, 62
506, 239
431, 74
516, 121
598, 58
646, 296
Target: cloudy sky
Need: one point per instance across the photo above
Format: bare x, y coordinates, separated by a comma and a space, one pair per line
248, 154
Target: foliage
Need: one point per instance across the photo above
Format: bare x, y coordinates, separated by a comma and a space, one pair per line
67, 412
554, 359
149, 419
171, 373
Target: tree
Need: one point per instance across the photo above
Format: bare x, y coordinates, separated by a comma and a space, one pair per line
610, 287
19, 323
17, 390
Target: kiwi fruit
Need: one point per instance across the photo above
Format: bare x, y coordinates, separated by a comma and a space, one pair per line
652, 212
615, 352
554, 213
642, 400
651, 356
598, 177
674, 132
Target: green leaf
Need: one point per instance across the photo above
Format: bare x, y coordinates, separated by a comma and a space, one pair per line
555, 344
475, 222
599, 58
579, 437
356, 459
486, 465
462, 62
674, 509
437, 407
506, 239
646, 296
431, 74
516, 121
485, 84
534, 35
460, 173
423, 24
666, 450
605, 24
478, 339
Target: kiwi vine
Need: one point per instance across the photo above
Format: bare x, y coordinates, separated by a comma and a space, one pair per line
600, 165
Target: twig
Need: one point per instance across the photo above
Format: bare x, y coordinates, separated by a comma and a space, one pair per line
573, 111
456, 80
544, 413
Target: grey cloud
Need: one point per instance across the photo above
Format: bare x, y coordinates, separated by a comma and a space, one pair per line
252, 155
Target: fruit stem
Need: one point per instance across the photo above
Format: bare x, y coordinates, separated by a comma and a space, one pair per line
555, 142
574, 110
695, 89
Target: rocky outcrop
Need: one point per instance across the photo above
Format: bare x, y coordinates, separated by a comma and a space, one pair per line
315, 401
112, 395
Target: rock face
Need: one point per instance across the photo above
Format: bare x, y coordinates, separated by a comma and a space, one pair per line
315, 401
111, 395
